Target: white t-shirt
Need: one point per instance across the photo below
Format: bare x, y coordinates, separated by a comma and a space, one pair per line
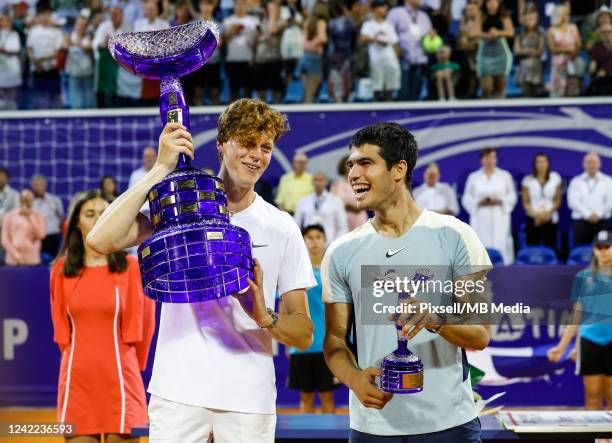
10, 66
439, 197
211, 354
590, 195
240, 47
45, 42
326, 210
542, 198
378, 53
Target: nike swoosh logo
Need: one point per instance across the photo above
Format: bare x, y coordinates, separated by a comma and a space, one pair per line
391, 253
253, 245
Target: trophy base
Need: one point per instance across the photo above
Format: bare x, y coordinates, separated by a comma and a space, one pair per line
401, 374
196, 262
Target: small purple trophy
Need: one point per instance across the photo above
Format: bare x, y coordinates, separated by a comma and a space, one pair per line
195, 253
402, 370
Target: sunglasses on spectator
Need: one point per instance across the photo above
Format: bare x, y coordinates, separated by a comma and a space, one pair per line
602, 246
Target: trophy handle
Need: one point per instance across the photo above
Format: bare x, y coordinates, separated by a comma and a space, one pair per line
173, 108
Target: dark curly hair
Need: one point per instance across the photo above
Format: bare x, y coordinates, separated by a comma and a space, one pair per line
395, 144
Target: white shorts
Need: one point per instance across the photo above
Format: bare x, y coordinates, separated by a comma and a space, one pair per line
171, 422
385, 77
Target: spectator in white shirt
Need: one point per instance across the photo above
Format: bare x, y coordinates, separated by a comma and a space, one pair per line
240, 32
434, 195
323, 208
541, 196
382, 43
589, 196
43, 43
51, 208
489, 197
10, 74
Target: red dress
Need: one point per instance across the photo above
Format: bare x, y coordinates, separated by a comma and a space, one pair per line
103, 325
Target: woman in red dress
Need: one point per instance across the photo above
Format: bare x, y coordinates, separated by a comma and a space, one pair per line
103, 325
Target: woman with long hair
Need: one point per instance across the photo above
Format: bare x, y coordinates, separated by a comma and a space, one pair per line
592, 318
564, 43
494, 58
103, 325
541, 196
315, 44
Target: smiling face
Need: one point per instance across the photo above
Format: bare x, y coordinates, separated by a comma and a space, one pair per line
89, 214
246, 161
372, 182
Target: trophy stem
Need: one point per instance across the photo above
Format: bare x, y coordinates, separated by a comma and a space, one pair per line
173, 108
402, 346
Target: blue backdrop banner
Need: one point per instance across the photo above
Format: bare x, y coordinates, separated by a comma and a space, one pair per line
515, 362
75, 149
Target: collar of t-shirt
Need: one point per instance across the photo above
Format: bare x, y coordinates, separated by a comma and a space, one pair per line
252, 207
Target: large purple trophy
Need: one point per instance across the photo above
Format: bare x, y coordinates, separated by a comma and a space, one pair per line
195, 253
401, 372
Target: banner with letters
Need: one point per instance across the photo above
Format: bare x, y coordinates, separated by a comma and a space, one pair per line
515, 361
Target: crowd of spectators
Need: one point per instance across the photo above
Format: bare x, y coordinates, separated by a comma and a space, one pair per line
53, 53
32, 220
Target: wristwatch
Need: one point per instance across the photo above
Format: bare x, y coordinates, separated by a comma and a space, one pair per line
274, 316
434, 329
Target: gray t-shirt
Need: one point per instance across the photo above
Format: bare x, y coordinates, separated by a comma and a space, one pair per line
443, 244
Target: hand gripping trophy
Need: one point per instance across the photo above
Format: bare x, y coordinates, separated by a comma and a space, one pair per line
401, 372
195, 254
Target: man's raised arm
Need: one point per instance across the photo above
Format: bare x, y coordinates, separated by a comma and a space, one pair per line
122, 225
